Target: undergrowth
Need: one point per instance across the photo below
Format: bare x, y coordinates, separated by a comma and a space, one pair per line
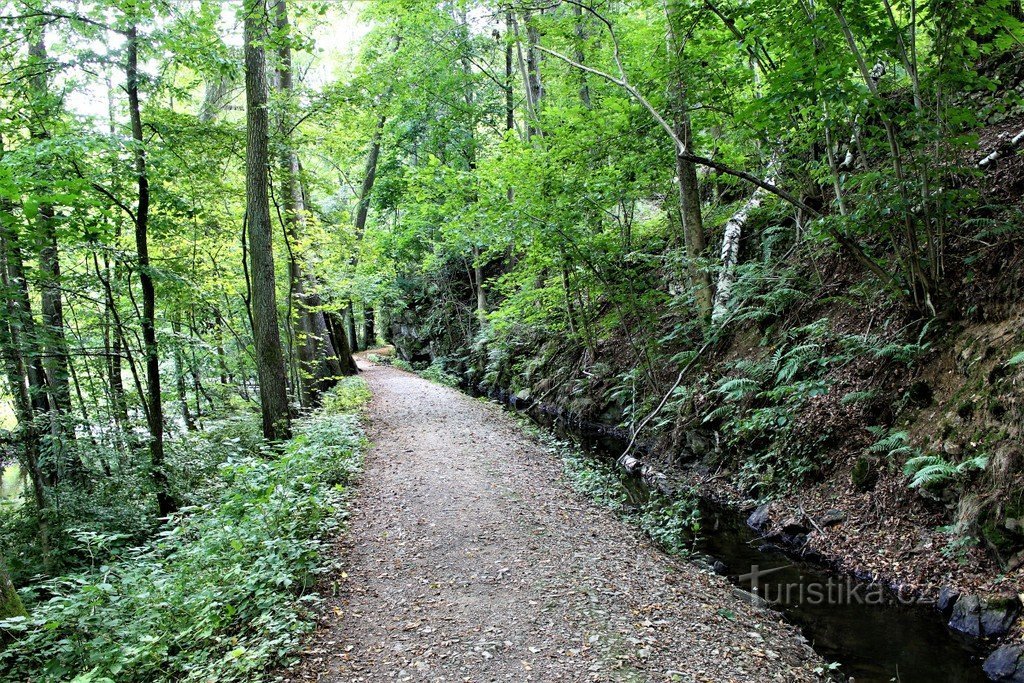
223, 592
672, 522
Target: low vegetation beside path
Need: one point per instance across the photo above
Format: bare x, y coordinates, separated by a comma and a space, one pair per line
223, 590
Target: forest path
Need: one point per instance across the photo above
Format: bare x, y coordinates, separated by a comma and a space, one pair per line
469, 559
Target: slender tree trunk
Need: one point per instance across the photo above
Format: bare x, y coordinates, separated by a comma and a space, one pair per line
350, 325
154, 401
362, 213
510, 106
54, 340
686, 170
481, 293
580, 31
179, 376
534, 84
270, 366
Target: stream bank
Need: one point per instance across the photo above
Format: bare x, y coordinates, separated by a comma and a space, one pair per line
876, 632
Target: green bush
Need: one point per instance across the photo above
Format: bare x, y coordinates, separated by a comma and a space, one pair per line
221, 593
437, 373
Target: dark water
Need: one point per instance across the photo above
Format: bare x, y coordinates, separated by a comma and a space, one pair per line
874, 636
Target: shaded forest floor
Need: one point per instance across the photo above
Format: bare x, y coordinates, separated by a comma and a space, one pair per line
469, 559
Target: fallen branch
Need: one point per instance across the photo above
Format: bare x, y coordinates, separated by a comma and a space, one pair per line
1001, 149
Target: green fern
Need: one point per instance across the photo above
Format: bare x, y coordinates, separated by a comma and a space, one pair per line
932, 470
893, 445
858, 397
738, 388
720, 413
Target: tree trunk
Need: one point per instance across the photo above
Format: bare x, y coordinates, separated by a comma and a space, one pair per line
314, 351
25, 375
362, 213
731, 251
270, 367
478, 285
10, 603
534, 84
686, 172
179, 376
580, 31
350, 326
369, 330
510, 107
336, 331
54, 341
154, 402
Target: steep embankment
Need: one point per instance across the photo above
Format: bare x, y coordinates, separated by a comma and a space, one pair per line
468, 559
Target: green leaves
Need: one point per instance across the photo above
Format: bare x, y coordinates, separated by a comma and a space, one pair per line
214, 597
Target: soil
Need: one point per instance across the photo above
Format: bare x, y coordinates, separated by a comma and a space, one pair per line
468, 558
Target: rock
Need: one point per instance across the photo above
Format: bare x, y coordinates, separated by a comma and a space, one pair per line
947, 598
793, 526
830, 518
1005, 665
698, 444
760, 517
1014, 524
751, 598
984, 617
864, 474
719, 568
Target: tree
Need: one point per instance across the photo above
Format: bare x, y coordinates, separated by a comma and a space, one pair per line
270, 367
318, 360
154, 398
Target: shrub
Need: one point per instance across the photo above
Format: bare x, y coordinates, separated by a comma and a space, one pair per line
222, 592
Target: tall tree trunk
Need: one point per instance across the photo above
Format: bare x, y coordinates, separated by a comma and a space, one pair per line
154, 401
478, 282
25, 375
579, 28
54, 341
270, 366
686, 170
362, 213
510, 106
315, 353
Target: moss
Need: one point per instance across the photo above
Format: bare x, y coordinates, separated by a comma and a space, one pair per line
10, 603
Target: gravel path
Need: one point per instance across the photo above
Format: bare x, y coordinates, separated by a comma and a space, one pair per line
469, 559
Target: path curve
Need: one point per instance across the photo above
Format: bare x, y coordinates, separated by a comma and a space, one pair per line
469, 559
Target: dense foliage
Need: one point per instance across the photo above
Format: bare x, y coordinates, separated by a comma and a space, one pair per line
224, 590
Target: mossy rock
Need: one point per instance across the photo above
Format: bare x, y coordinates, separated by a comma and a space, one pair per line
864, 474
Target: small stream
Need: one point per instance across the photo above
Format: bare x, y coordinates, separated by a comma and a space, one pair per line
864, 627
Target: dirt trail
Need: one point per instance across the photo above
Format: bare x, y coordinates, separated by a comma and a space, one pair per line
468, 559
